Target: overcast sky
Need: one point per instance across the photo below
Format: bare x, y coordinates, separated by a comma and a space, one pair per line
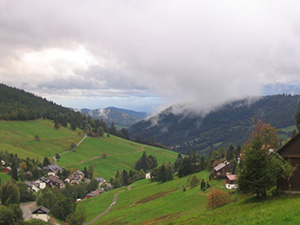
144, 54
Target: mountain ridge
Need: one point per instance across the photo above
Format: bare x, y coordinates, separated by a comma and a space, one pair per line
228, 124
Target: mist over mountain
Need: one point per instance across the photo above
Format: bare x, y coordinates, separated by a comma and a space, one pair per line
121, 117
231, 123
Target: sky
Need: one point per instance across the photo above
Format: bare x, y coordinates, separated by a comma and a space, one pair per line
147, 55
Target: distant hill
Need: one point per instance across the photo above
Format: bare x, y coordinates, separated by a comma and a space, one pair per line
17, 104
229, 124
121, 117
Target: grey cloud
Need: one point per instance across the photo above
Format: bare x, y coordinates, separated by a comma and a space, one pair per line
201, 52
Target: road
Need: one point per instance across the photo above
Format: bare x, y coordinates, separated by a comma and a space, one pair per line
27, 208
106, 210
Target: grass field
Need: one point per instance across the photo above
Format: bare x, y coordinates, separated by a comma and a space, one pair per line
166, 203
18, 137
121, 154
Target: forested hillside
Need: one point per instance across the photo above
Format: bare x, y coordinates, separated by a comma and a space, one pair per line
228, 124
16, 104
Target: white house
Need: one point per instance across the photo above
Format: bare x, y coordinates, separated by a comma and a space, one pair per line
41, 213
32, 186
148, 175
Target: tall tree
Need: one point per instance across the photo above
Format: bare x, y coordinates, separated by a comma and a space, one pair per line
125, 177
46, 162
10, 193
258, 172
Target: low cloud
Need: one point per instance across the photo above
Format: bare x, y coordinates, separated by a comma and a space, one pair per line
200, 53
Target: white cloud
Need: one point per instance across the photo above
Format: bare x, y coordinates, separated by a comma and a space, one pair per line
202, 52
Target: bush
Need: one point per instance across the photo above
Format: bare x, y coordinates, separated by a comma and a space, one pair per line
195, 181
217, 198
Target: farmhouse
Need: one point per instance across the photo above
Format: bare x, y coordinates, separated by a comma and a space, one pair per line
222, 169
52, 169
231, 181
94, 193
41, 213
32, 186
291, 152
55, 181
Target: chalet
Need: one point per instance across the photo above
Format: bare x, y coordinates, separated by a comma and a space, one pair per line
45, 180
52, 169
56, 182
75, 178
32, 186
231, 181
222, 169
94, 193
100, 180
6, 169
291, 152
41, 213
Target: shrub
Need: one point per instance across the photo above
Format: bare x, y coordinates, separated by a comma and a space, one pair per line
194, 181
217, 198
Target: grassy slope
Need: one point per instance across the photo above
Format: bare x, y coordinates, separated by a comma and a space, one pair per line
166, 203
18, 137
122, 154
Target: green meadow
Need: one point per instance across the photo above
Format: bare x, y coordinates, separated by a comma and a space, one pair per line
165, 203
121, 154
18, 137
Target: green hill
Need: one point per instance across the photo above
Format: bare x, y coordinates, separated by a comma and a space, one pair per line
18, 137
154, 203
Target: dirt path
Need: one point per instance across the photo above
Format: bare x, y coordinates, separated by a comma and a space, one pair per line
106, 210
54, 158
27, 208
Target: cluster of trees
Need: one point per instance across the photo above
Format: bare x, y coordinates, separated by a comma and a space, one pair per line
190, 164
163, 173
146, 163
88, 173
12, 193
28, 168
62, 202
261, 169
125, 178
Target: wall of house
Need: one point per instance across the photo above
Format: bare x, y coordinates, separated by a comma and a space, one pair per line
44, 217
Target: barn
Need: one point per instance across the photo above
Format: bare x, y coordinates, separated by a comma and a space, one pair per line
291, 152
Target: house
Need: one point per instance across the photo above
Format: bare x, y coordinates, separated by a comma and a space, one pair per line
6, 169
41, 213
75, 178
100, 180
56, 182
291, 152
148, 176
52, 169
231, 181
222, 169
94, 193
32, 186
46, 181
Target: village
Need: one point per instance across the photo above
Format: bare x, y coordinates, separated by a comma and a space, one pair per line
51, 179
